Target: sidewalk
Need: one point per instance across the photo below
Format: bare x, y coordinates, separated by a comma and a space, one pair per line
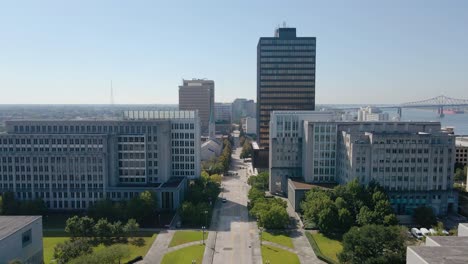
159, 247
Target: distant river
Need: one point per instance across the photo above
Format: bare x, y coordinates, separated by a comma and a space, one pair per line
458, 121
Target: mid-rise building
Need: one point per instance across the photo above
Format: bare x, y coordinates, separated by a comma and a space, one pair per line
243, 108
223, 112
461, 155
285, 77
72, 163
199, 94
413, 161
21, 239
372, 114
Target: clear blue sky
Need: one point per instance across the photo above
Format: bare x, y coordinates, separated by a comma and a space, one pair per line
367, 51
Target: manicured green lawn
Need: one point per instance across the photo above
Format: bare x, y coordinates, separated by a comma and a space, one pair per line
185, 255
50, 241
135, 250
49, 244
278, 256
329, 247
278, 237
182, 237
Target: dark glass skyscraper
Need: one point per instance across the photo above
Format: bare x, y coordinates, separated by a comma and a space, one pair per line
285, 76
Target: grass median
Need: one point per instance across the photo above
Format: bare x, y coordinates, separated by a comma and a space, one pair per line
185, 255
278, 256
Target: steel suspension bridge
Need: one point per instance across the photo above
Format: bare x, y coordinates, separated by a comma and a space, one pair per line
440, 103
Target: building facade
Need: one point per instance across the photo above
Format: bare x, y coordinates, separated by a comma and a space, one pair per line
199, 95
21, 239
243, 108
372, 114
413, 161
461, 156
249, 125
223, 112
72, 163
285, 77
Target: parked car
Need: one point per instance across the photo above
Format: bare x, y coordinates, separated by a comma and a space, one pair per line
224, 200
445, 232
416, 233
432, 231
424, 231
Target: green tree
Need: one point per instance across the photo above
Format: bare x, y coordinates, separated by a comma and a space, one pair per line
460, 174
103, 229
424, 216
371, 244
80, 226
261, 181
10, 206
130, 227
70, 249
275, 217
105, 209
255, 194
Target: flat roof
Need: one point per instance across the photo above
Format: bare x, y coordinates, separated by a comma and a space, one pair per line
450, 241
173, 182
446, 255
461, 142
11, 224
302, 185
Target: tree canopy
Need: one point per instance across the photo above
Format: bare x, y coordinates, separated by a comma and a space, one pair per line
372, 244
336, 210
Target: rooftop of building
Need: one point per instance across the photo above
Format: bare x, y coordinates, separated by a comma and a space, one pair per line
173, 182
300, 184
11, 224
461, 142
437, 255
449, 241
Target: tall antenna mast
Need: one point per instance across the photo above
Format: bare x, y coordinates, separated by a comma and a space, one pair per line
111, 95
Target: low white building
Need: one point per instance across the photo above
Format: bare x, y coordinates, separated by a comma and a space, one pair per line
249, 125
21, 239
372, 114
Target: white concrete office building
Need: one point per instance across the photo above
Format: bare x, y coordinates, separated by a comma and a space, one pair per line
73, 163
21, 239
413, 161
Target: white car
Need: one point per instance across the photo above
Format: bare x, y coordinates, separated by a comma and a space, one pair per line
416, 233
433, 231
424, 231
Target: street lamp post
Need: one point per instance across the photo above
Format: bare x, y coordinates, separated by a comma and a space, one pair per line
206, 217
203, 234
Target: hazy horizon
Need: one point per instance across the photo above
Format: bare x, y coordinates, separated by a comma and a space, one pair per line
60, 52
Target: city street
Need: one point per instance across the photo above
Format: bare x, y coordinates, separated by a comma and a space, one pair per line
237, 238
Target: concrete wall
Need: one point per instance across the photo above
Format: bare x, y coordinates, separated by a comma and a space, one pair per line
413, 258
462, 230
11, 247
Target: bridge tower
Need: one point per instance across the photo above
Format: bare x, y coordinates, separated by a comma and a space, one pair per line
440, 111
399, 113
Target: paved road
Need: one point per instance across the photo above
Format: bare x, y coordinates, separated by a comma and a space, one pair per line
236, 237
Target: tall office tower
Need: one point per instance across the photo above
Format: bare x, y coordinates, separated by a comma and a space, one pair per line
198, 94
285, 76
71, 164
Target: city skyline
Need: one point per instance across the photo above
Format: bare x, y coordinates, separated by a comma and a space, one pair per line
63, 53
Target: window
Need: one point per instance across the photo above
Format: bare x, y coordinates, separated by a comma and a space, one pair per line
26, 238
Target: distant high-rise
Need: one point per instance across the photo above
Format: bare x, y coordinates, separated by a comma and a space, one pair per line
285, 76
198, 95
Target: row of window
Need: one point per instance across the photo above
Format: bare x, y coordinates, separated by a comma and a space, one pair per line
294, 41
305, 61
84, 129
